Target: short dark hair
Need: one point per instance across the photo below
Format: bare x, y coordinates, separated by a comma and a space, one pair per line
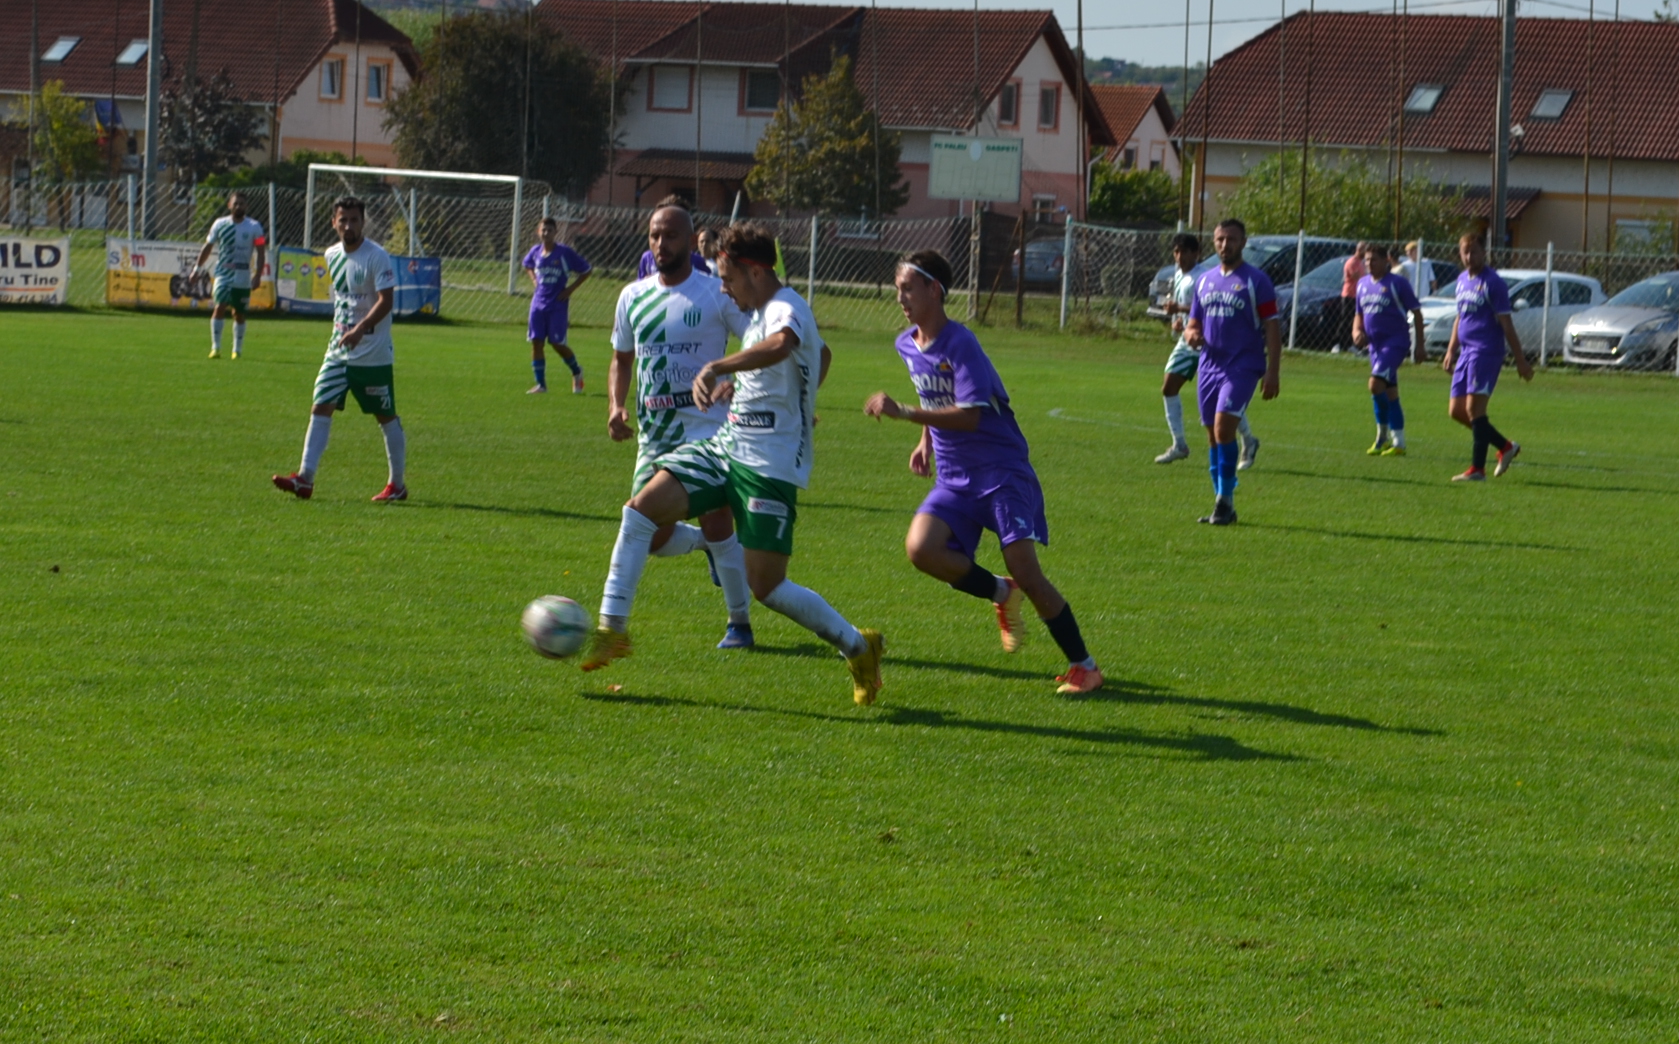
237, 194
931, 263
1378, 248
1472, 237
1235, 223
1187, 242
673, 200
349, 203
547, 221
750, 242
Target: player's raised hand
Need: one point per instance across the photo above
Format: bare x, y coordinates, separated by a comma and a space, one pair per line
881, 405
618, 424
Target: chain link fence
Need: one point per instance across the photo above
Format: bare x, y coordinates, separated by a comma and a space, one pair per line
1112, 277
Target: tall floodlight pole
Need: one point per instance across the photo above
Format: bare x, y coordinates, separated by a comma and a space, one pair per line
1501, 142
1586, 172
34, 91
1399, 152
154, 86
1084, 160
1609, 186
699, 96
1306, 127
1183, 126
1206, 125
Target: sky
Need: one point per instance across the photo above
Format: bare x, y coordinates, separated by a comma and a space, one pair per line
1131, 29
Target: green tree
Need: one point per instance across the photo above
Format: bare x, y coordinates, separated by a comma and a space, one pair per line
205, 128
291, 172
66, 141
1350, 199
467, 110
819, 153
1133, 196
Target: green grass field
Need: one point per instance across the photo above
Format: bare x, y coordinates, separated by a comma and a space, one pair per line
1390, 760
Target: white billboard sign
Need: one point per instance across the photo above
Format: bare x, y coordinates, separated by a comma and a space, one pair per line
984, 169
34, 271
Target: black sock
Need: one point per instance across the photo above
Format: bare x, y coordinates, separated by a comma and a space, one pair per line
979, 582
1485, 436
1065, 630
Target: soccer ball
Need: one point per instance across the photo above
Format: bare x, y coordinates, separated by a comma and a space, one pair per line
555, 626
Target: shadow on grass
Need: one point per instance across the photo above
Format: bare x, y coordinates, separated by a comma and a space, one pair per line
854, 507
1411, 538
1597, 489
500, 510
1202, 747
810, 650
1385, 480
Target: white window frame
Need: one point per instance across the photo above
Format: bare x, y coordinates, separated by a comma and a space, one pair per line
134, 53
336, 64
384, 68
1052, 90
653, 88
61, 49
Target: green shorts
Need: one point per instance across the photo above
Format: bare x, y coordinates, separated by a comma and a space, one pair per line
239, 298
764, 509
1183, 362
371, 386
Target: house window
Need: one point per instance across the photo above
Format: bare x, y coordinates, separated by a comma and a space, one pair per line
1157, 156
1424, 97
1043, 209
763, 90
332, 79
1128, 158
1008, 105
1552, 103
132, 54
61, 49
670, 88
1049, 106
378, 82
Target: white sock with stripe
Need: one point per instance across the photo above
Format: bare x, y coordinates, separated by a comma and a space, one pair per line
216, 333
1174, 419
1242, 428
807, 609
314, 444
730, 560
685, 537
396, 449
629, 559
238, 337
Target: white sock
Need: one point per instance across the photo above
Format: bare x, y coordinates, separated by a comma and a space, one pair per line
629, 558
1381, 432
684, 538
238, 337
1001, 595
216, 333
731, 569
314, 444
807, 609
1242, 428
396, 449
1398, 435
1174, 419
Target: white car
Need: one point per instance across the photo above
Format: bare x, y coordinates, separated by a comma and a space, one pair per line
1637, 329
1570, 295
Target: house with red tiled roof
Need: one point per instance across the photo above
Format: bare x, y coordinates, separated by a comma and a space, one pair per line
704, 79
1142, 123
320, 71
1595, 131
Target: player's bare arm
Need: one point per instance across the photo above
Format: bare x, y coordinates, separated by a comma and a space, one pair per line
618, 380
766, 353
259, 266
565, 295
1360, 338
1451, 349
953, 418
1419, 351
382, 308
1523, 367
203, 256
921, 458
1193, 334
1272, 383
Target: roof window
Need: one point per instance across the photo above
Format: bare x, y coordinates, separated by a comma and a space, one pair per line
1552, 103
132, 54
61, 49
1424, 97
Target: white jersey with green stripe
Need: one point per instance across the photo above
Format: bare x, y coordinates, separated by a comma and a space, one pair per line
235, 242
773, 412
673, 331
357, 277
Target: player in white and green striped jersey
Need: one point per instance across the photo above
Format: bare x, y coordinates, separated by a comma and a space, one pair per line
667, 327
235, 237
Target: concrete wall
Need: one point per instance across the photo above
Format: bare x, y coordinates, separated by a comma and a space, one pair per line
309, 121
1152, 141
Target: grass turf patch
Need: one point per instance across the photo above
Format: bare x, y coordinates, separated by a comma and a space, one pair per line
1391, 759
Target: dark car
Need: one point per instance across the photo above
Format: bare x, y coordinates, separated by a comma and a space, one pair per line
1044, 261
1273, 255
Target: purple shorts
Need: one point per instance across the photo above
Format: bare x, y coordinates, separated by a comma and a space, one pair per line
1014, 511
1223, 391
1476, 373
1386, 361
549, 324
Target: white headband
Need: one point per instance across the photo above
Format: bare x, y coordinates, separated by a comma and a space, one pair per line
931, 278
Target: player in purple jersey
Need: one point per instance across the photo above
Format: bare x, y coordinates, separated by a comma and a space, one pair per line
1388, 322
1233, 321
1475, 354
984, 471
551, 265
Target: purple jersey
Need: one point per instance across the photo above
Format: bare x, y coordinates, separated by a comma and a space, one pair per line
955, 371
553, 271
1481, 299
1386, 305
1233, 308
648, 266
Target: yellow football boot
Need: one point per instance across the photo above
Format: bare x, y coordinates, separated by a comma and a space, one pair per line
865, 669
606, 645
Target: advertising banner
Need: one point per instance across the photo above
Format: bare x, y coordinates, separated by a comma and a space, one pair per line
34, 271
984, 169
153, 273
305, 288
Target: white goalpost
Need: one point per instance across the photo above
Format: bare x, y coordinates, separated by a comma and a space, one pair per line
514, 180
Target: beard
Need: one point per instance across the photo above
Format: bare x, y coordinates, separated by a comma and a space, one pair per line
671, 266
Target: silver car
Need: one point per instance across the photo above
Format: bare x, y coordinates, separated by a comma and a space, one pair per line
1637, 329
1570, 295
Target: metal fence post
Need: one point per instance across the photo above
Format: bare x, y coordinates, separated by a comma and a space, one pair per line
273, 223
1294, 302
309, 210
131, 212
1066, 269
513, 237
413, 222
973, 262
1545, 316
810, 284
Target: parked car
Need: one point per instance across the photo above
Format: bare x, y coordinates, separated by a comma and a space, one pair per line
1318, 297
1044, 260
1637, 328
1570, 295
1273, 255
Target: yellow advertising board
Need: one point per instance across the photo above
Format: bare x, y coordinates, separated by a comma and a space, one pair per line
153, 273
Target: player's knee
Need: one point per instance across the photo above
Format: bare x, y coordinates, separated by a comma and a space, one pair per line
762, 586
922, 553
